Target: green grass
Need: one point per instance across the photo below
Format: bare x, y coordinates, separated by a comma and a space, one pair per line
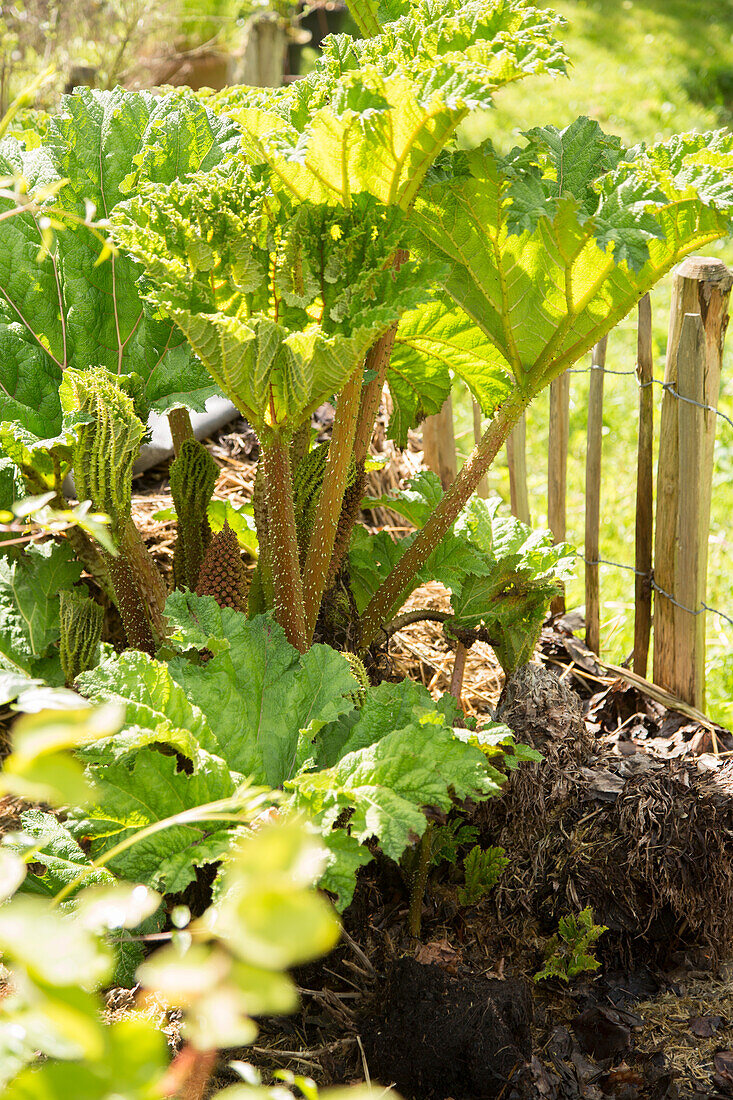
644, 69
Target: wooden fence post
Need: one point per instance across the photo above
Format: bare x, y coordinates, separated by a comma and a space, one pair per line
264, 55
701, 286
644, 490
593, 497
557, 466
689, 625
483, 485
439, 444
516, 456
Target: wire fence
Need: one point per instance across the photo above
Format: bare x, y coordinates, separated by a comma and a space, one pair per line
655, 587
649, 576
667, 387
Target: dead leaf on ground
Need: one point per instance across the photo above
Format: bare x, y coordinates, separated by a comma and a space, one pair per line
440, 953
704, 1026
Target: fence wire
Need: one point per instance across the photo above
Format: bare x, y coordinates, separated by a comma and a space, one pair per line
655, 587
668, 388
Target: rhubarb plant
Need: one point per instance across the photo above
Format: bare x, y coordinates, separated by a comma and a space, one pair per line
322, 240
500, 270
288, 247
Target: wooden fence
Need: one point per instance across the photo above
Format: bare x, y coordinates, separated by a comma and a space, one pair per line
671, 525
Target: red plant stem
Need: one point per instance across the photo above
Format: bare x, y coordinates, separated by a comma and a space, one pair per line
148, 579
330, 500
397, 584
459, 667
377, 360
283, 542
130, 605
188, 1074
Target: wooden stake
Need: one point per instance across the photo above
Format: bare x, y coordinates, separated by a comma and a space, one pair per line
478, 431
516, 454
593, 498
644, 490
439, 444
701, 285
557, 466
689, 626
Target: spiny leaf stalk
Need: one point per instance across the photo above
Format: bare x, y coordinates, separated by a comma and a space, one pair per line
283, 541
339, 473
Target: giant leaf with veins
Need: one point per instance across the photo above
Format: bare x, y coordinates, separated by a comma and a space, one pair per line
374, 114
151, 789
434, 342
550, 246
63, 308
257, 692
280, 301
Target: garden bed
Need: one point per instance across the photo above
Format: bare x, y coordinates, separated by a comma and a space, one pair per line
630, 812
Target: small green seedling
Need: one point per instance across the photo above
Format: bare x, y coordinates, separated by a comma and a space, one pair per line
482, 868
569, 953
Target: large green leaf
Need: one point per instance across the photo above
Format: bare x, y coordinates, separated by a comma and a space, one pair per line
374, 114
434, 342
150, 790
29, 605
386, 707
280, 302
157, 710
550, 246
62, 309
58, 860
257, 692
386, 785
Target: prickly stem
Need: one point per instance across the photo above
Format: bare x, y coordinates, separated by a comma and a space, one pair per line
376, 365
261, 592
179, 421
348, 517
147, 578
330, 500
283, 542
130, 605
391, 593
